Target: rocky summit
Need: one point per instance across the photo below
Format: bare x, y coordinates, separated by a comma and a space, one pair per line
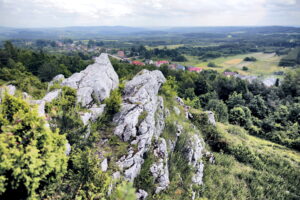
95, 82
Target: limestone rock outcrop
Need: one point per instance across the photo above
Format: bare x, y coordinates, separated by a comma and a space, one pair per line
160, 169
136, 122
50, 96
57, 79
211, 117
94, 83
194, 153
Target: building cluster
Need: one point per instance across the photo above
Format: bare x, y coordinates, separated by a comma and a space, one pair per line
243, 77
121, 56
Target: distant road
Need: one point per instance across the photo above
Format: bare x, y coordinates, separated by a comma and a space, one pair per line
116, 57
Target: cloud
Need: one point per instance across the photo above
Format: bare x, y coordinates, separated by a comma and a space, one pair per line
148, 12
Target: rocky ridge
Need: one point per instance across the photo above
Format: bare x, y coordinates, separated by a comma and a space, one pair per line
140, 123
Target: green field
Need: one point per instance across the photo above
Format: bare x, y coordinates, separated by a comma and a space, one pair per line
266, 64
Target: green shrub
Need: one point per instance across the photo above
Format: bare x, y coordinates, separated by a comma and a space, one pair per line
32, 156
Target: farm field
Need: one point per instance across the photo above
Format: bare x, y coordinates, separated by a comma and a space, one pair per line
173, 46
266, 64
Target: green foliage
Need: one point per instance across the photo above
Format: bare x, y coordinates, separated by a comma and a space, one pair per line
113, 104
258, 107
65, 115
142, 117
245, 68
219, 108
124, 191
234, 100
145, 180
32, 156
169, 88
212, 65
25, 81
292, 59
250, 59
240, 116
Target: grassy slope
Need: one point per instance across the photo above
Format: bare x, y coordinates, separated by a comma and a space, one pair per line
259, 169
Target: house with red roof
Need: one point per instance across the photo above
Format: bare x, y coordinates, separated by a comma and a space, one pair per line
139, 63
161, 62
195, 69
121, 54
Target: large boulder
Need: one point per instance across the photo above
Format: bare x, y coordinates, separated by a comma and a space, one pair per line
94, 83
57, 79
136, 122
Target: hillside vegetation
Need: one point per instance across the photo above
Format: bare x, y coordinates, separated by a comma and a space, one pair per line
246, 148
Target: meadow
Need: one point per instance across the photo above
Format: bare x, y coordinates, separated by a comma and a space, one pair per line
266, 64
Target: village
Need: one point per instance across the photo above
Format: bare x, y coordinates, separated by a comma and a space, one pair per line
120, 55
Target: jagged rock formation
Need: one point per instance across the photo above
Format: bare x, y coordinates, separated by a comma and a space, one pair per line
141, 194
140, 122
160, 169
194, 152
47, 98
57, 79
136, 121
94, 83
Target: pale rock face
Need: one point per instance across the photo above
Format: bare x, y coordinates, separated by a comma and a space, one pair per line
136, 122
211, 117
97, 112
52, 95
176, 110
172, 143
56, 79
160, 117
68, 149
159, 169
194, 152
85, 117
95, 82
25, 95
141, 195
47, 98
94, 113
104, 165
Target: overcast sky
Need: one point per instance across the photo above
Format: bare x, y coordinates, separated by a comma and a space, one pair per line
148, 13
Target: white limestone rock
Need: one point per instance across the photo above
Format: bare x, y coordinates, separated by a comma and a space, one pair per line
95, 83
194, 153
52, 95
68, 149
49, 97
141, 194
176, 110
104, 165
159, 169
85, 117
58, 78
41, 106
211, 117
96, 112
136, 121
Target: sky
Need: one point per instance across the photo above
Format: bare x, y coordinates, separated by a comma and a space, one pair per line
148, 13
